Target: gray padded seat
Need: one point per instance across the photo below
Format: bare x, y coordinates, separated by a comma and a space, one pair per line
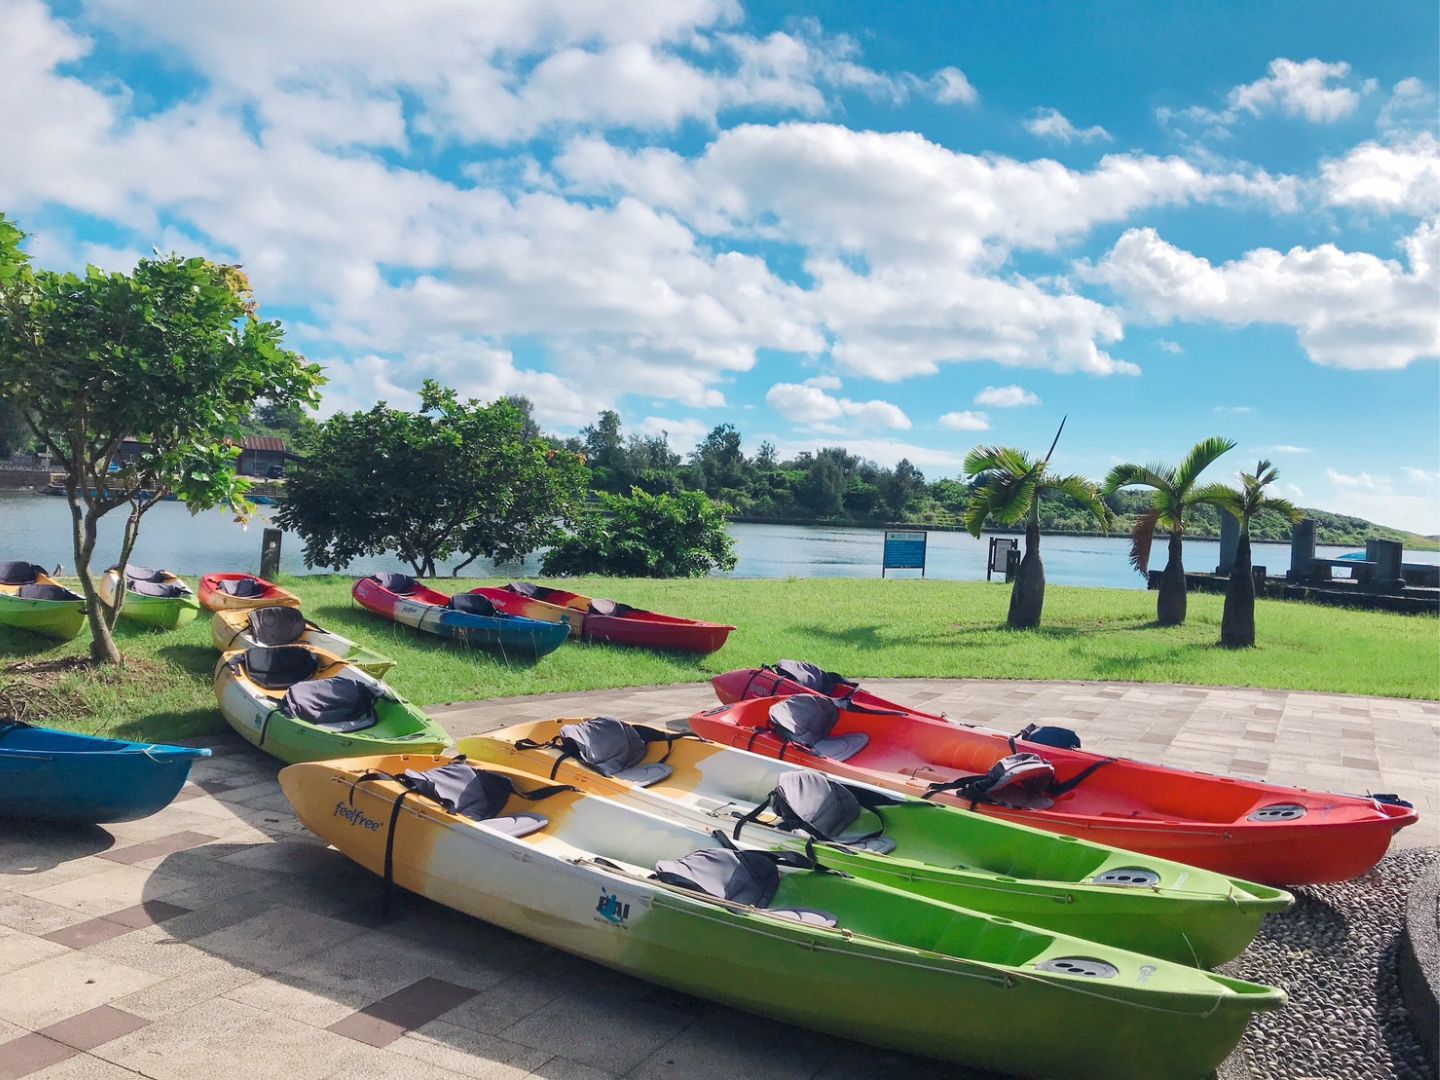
644, 775
46, 592
143, 573
876, 845
807, 720
146, 587
341, 704
516, 825
243, 587
399, 584
18, 573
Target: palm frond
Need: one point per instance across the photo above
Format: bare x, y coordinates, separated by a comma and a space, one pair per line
977, 511
985, 460
1084, 491
1223, 498
1151, 476
1142, 539
1283, 507
1011, 499
1201, 456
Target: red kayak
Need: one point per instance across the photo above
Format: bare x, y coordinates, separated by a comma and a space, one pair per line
608, 620
1262, 832
234, 592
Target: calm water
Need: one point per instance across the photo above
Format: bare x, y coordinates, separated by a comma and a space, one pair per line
37, 527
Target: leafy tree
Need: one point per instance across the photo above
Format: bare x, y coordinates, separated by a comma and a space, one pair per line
291, 420
13, 432
643, 535
822, 492
1175, 491
1009, 487
172, 355
530, 427
720, 460
604, 447
455, 477
899, 487
1237, 620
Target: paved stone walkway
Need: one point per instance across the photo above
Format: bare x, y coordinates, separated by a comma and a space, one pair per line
218, 938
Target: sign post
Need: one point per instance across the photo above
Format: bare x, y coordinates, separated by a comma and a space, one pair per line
904, 550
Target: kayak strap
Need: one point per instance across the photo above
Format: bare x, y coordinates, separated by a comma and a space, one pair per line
1062, 738
570, 748
265, 725
818, 795
978, 788
1084, 774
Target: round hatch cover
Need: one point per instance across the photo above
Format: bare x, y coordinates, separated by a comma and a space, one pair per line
1128, 875
1278, 812
1079, 965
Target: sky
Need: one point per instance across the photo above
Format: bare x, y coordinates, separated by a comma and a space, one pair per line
905, 229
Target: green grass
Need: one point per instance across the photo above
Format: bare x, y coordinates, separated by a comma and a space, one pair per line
861, 628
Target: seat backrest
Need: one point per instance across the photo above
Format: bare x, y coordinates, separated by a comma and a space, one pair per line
146, 587
340, 702
399, 584
276, 625
18, 573
473, 604
280, 667
601, 606
462, 789
605, 744
814, 802
745, 877
812, 677
804, 718
242, 587
143, 573
46, 592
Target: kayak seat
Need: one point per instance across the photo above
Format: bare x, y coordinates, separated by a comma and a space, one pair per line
807, 721
516, 825
743, 877
809, 916
146, 587
813, 677
340, 704
242, 587
875, 845
811, 804
143, 573
399, 584
45, 592
644, 775
276, 625
611, 607
473, 604
279, 668
18, 573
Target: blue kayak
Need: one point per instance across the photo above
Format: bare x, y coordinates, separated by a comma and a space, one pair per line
468, 619
48, 775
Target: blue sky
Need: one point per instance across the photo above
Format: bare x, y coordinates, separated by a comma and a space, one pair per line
905, 229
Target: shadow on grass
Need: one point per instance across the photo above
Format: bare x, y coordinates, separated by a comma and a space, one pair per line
167, 725
19, 645
196, 659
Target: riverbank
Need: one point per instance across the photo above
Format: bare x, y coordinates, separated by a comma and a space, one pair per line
862, 628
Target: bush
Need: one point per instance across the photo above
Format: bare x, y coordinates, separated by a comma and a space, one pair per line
641, 535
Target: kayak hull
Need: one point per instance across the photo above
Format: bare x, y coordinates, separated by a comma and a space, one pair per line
157, 612
1187, 915
60, 620
214, 598
1185, 816
995, 1013
635, 629
425, 610
61, 776
230, 630
254, 714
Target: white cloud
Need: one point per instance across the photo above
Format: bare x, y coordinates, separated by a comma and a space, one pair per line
1376, 498
684, 434
1234, 410
1287, 448
1006, 397
1316, 90
812, 406
1422, 476
1349, 309
1053, 124
1358, 480
967, 420
1399, 177
951, 86
1172, 347
824, 382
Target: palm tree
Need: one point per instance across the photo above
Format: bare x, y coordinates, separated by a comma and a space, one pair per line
1175, 491
1008, 486
1237, 623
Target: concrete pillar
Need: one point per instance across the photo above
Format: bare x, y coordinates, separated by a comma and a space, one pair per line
1387, 556
1302, 549
270, 554
1229, 541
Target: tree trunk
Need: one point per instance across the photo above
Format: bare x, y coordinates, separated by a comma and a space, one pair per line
102, 644
127, 545
1170, 601
1237, 622
1027, 595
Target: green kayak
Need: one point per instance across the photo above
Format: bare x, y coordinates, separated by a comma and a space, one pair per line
31, 600
1133, 901
779, 935
155, 598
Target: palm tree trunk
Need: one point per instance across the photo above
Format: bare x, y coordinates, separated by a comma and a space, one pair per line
1237, 622
1170, 600
1027, 595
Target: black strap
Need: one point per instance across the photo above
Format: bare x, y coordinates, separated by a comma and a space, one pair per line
265, 724
1056, 790
868, 800
570, 749
794, 859
755, 673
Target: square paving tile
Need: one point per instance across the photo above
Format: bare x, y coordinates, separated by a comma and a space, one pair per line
93, 1027
62, 986
153, 849
604, 1033
29, 1054
89, 932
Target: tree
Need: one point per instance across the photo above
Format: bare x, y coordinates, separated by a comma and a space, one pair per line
14, 433
1175, 495
455, 477
643, 535
1237, 621
899, 487
720, 460
822, 492
171, 355
1009, 486
604, 446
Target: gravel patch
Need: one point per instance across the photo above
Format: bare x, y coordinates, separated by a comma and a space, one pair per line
1335, 953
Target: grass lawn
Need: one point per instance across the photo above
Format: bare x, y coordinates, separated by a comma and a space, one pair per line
859, 627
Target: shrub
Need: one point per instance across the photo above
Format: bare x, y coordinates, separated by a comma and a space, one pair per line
642, 535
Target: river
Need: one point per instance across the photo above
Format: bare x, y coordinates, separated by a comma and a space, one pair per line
37, 528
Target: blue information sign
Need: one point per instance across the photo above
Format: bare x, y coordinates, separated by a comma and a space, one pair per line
904, 550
